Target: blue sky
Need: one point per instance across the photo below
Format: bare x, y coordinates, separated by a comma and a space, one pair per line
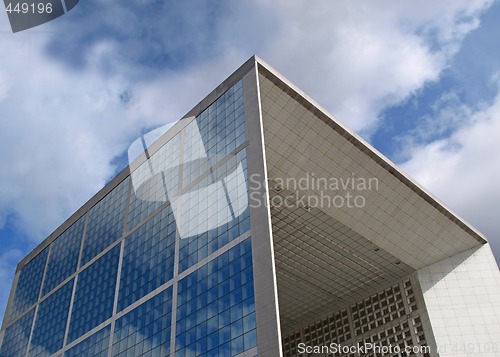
419, 80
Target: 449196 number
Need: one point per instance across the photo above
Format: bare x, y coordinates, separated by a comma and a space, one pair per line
25, 8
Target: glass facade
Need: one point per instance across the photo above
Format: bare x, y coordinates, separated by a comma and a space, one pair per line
148, 258
234, 205
96, 345
15, 341
161, 265
215, 306
145, 331
149, 196
94, 295
28, 285
50, 323
105, 223
63, 258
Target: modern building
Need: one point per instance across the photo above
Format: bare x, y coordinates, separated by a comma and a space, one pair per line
257, 225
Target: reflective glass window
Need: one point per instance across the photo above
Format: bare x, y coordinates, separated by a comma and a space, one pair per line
105, 222
50, 323
205, 182
221, 125
226, 213
15, 340
28, 284
63, 257
145, 331
215, 306
94, 296
154, 182
148, 258
96, 345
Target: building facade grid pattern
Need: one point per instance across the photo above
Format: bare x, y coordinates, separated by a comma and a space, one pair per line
148, 258
105, 223
50, 322
145, 253
96, 345
145, 331
388, 318
28, 285
159, 185
94, 295
63, 257
216, 308
15, 340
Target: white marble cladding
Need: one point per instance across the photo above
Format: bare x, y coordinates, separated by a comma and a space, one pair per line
461, 294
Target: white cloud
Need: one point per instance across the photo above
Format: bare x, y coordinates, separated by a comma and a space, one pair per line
61, 128
464, 171
57, 136
445, 115
358, 59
